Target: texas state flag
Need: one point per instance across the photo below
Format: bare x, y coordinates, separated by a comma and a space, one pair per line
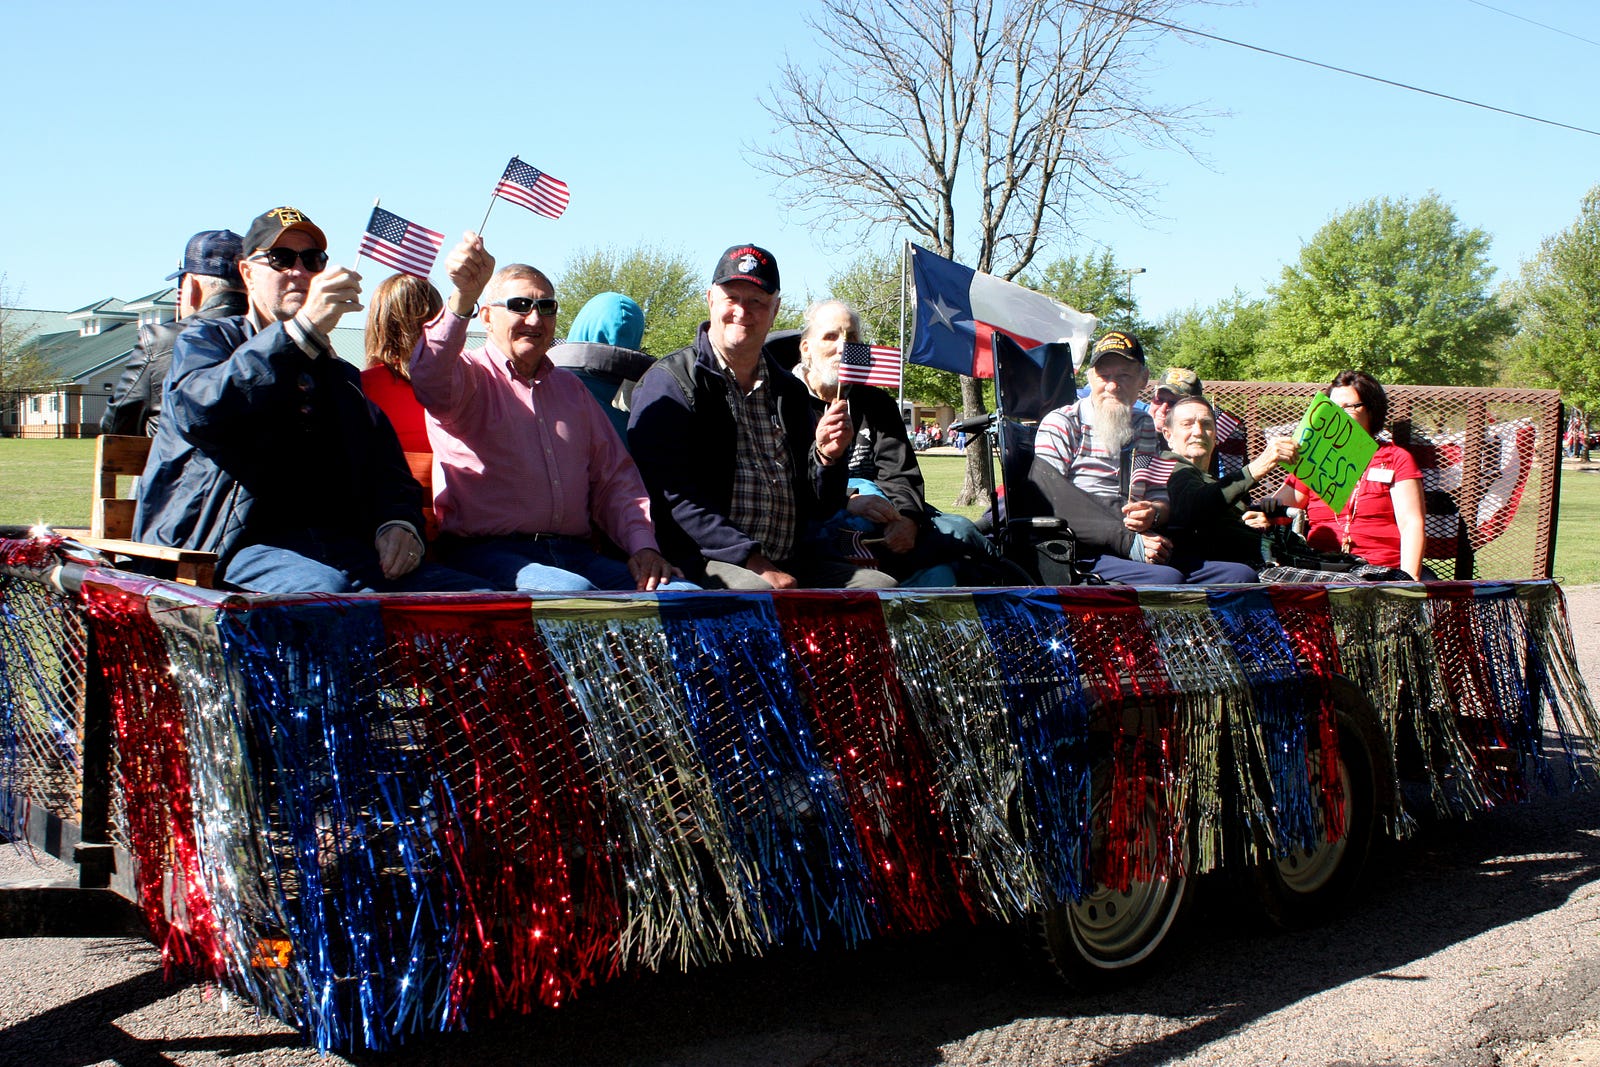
959, 310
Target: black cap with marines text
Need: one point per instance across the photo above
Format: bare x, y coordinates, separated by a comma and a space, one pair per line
271, 225
747, 263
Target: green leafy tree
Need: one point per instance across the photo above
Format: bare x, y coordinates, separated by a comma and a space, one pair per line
1398, 289
1558, 298
1219, 343
670, 291
1094, 284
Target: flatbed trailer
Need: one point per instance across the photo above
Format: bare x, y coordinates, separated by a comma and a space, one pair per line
379, 816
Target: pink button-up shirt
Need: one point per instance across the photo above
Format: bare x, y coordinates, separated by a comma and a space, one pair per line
515, 455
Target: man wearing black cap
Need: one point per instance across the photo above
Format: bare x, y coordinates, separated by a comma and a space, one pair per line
1097, 462
210, 289
268, 454
741, 472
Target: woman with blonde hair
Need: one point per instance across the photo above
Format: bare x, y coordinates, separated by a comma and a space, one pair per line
401, 306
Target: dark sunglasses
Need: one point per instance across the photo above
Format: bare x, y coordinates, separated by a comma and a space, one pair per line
521, 305
281, 259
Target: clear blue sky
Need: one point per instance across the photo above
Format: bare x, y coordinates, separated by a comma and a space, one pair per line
127, 127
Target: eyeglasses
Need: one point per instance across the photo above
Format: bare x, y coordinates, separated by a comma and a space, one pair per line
1357, 406
282, 259
521, 305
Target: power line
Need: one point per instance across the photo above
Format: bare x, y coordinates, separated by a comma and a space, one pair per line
1532, 22
1174, 27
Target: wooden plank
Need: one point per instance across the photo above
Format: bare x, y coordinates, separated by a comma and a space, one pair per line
114, 456
115, 519
121, 455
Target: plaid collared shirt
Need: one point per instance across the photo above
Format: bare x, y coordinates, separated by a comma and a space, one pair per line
763, 478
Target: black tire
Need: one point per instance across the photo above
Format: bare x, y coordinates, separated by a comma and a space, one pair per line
1111, 938
1307, 888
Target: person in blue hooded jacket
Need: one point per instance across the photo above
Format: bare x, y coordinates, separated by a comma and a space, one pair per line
602, 349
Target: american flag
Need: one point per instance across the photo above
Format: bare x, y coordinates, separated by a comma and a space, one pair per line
403, 245
856, 547
870, 365
533, 189
1149, 472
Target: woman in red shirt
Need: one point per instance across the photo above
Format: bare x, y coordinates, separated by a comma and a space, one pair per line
1383, 522
400, 308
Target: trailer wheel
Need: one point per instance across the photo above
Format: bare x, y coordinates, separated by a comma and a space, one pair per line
1305, 887
1110, 938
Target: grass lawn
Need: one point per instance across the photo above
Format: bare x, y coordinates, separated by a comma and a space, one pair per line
942, 476
1578, 528
45, 481
48, 481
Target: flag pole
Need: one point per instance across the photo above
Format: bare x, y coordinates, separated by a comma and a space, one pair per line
357, 262
905, 263
492, 198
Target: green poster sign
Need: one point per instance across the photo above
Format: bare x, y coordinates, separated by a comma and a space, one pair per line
1334, 452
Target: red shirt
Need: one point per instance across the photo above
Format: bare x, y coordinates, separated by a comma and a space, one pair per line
393, 394
1367, 520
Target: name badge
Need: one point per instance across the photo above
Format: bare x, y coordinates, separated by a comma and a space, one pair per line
1382, 477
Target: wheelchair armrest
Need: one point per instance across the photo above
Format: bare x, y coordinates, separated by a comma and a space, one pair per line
1037, 525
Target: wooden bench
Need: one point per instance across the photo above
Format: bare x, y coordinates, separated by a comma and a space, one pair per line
111, 516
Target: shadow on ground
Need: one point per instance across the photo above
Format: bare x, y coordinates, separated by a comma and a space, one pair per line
907, 1001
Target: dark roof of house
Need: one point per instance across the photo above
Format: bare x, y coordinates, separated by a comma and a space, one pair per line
75, 358
110, 303
167, 297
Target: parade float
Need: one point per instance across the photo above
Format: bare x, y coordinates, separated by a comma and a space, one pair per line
379, 816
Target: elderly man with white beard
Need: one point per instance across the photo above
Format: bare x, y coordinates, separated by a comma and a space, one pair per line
1096, 462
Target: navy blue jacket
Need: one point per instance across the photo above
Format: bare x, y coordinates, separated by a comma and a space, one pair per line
686, 446
257, 437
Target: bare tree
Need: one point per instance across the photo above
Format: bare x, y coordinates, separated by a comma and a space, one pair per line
924, 114
22, 371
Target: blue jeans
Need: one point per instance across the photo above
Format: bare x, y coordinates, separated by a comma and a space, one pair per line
1180, 571
320, 561
542, 564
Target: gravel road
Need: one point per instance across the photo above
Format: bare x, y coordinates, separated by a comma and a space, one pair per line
1475, 943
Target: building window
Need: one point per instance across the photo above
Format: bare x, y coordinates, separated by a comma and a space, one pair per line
36, 406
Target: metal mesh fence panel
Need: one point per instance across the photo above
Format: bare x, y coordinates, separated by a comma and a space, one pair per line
43, 652
1490, 460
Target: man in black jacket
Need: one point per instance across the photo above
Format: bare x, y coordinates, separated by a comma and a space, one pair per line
268, 453
210, 289
740, 471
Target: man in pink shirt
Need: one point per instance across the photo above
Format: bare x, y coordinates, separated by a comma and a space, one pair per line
526, 464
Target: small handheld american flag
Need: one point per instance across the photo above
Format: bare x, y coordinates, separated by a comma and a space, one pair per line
857, 547
1148, 472
870, 365
533, 189
405, 246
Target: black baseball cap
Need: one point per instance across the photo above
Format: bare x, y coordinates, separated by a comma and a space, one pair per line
747, 263
1117, 343
214, 252
268, 226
